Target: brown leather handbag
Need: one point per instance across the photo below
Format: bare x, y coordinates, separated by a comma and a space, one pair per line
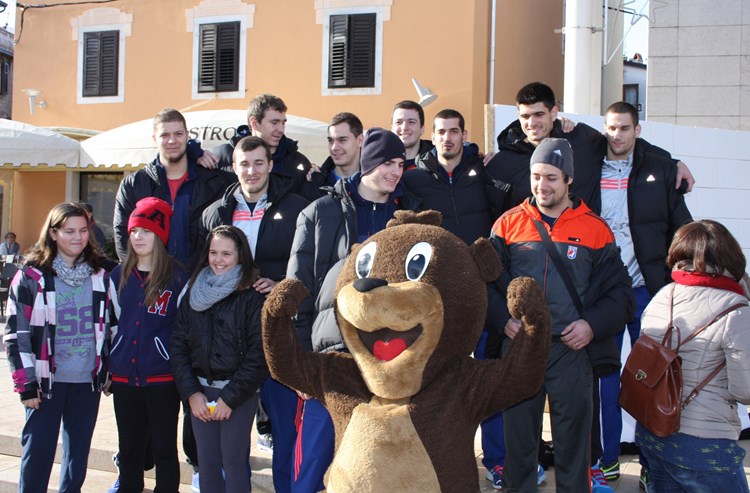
651, 381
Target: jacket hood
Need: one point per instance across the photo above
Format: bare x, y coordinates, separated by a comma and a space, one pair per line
579, 208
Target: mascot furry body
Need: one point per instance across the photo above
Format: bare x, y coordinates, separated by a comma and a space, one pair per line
406, 403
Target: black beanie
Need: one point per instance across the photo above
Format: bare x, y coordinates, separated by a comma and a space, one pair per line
380, 146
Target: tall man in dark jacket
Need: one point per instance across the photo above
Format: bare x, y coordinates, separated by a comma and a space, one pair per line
537, 120
178, 180
345, 136
584, 320
356, 208
266, 118
451, 179
262, 205
638, 200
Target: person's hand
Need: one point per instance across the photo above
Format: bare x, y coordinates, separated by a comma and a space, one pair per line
683, 173
34, 402
512, 326
566, 125
577, 335
209, 160
488, 157
222, 412
314, 168
199, 406
107, 385
264, 285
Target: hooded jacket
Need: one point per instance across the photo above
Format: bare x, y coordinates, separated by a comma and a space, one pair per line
205, 186
511, 163
586, 245
469, 199
326, 231
277, 227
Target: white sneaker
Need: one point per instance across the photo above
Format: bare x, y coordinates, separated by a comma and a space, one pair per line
196, 485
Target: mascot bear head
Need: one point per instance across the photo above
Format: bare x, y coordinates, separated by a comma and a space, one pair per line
411, 299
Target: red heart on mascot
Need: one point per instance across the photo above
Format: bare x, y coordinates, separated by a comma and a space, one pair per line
386, 351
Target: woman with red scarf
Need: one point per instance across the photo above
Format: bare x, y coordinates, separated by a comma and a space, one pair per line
708, 269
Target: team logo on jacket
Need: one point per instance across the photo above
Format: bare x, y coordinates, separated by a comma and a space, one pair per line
572, 252
159, 306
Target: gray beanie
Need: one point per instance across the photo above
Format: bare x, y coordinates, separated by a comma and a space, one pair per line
555, 152
380, 146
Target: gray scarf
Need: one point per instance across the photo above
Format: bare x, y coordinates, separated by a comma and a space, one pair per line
72, 276
209, 288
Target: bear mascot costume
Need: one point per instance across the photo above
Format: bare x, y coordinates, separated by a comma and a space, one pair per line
407, 401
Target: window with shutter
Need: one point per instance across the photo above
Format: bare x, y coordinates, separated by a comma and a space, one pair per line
218, 57
101, 58
352, 51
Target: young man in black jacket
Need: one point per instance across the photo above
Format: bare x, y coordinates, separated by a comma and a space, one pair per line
266, 118
356, 208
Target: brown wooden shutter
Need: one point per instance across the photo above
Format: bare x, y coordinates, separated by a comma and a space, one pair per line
218, 63
101, 63
351, 50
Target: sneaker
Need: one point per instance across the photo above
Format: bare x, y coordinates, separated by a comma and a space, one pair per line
496, 477
265, 443
611, 471
540, 475
598, 481
115, 486
644, 482
196, 485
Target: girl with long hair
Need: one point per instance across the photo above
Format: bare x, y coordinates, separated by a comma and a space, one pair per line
217, 358
57, 346
145, 289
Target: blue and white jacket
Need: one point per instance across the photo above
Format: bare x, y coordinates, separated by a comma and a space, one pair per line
140, 333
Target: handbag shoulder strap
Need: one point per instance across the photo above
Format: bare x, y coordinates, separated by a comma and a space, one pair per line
559, 265
703, 327
721, 366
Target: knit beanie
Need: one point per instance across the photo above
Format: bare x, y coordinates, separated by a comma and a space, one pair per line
555, 152
380, 146
152, 214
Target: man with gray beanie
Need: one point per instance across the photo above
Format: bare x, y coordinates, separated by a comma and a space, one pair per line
554, 238
355, 208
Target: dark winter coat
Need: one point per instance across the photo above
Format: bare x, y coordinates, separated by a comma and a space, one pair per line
277, 227
151, 181
220, 343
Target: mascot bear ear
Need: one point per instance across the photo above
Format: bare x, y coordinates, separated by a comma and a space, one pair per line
431, 218
487, 260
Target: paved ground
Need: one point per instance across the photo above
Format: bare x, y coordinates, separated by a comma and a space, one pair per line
102, 472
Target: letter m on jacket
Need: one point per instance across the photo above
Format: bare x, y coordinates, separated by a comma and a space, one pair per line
160, 305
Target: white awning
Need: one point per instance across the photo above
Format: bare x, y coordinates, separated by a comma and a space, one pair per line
132, 145
26, 146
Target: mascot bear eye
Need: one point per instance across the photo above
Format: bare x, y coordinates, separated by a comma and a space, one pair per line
418, 260
365, 259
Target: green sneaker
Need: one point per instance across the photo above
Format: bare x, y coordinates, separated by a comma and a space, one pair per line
611, 471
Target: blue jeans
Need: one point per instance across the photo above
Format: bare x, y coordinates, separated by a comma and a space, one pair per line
280, 403
314, 450
493, 438
668, 476
610, 385
77, 406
